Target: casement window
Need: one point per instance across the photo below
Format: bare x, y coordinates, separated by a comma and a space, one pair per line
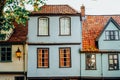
5, 54
43, 58
43, 26
65, 26
112, 35
19, 78
113, 61
90, 61
65, 57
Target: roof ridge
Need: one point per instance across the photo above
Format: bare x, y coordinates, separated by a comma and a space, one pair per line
61, 5
57, 9
55, 4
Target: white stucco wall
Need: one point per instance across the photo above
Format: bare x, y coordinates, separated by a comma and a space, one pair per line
15, 65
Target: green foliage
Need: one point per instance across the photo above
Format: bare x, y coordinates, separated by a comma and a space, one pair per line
15, 11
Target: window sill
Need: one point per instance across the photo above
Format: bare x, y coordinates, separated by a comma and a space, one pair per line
64, 67
112, 40
43, 35
65, 35
5, 61
113, 69
42, 67
90, 69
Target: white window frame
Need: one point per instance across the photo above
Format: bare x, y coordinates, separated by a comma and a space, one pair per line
113, 62
65, 26
112, 35
43, 26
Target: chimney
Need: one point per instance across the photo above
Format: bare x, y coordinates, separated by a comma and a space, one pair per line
82, 11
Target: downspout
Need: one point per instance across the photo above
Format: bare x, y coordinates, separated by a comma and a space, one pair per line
101, 68
24, 59
80, 46
82, 18
80, 66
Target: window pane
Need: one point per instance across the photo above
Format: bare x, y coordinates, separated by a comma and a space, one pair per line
116, 35
112, 32
107, 33
90, 61
113, 62
111, 66
115, 56
8, 49
5, 53
43, 58
2, 58
65, 57
112, 35
65, 26
110, 56
43, 26
8, 58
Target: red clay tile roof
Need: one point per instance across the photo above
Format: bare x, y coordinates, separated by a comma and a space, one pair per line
91, 29
56, 9
19, 35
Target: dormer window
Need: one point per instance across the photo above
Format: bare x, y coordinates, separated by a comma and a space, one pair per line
112, 35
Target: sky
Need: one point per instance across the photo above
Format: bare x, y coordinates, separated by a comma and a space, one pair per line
92, 7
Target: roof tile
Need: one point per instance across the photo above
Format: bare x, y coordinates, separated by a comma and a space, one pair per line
19, 34
91, 29
56, 9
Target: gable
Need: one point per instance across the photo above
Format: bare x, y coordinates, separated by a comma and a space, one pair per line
111, 25
92, 28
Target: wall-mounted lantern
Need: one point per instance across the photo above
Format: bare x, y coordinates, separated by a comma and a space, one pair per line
18, 53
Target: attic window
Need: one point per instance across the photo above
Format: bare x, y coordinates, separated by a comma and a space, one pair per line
112, 35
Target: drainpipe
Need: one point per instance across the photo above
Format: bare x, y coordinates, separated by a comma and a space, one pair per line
82, 18
24, 58
101, 67
80, 66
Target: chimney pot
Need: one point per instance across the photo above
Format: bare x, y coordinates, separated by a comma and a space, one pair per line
83, 10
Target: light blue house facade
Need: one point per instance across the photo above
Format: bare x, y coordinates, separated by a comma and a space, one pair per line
54, 41
100, 55
109, 40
